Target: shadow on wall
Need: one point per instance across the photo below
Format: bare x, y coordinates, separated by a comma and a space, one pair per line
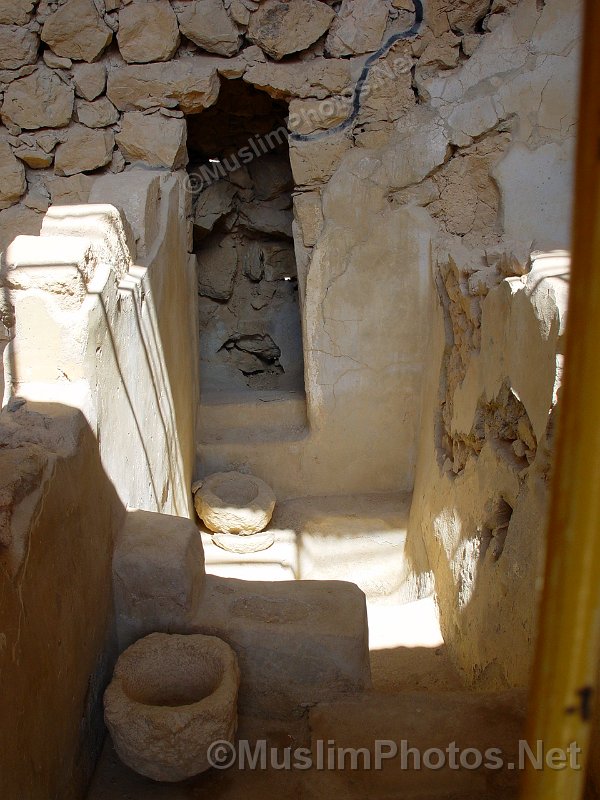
92, 327
482, 489
60, 515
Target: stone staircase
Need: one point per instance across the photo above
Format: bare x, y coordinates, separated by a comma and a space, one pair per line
424, 720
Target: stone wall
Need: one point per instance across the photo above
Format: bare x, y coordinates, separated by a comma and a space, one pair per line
59, 516
123, 81
93, 330
495, 344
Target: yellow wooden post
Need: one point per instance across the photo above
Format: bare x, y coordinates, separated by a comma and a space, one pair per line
568, 649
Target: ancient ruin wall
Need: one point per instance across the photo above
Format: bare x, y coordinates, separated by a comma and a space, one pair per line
497, 321
93, 330
424, 167
59, 516
96, 86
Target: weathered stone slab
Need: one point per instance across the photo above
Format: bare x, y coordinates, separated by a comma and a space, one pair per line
308, 213
83, 150
155, 582
18, 220
271, 175
319, 78
76, 30
213, 202
70, 191
18, 47
154, 139
266, 218
89, 80
217, 266
209, 26
34, 157
359, 28
40, 100
280, 28
188, 83
98, 114
148, 31
16, 12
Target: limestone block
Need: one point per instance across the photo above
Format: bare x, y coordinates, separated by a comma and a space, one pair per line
208, 25
266, 217
18, 47
40, 100
158, 571
217, 267
56, 62
308, 212
309, 115
76, 30
100, 226
156, 140
172, 697
89, 80
442, 51
315, 162
213, 202
271, 176
12, 177
147, 31
74, 190
37, 199
271, 260
190, 83
18, 220
467, 13
281, 28
239, 12
34, 157
48, 140
231, 502
83, 150
298, 642
320, 77
137, 195
9, 75
98, 114
16, 12
280, 260
358, 28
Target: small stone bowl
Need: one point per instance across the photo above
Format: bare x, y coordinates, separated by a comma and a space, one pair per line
171, 697
231, 502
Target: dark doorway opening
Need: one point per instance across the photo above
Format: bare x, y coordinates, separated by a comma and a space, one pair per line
250, 329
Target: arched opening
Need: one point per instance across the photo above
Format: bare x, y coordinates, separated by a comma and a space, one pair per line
249, 317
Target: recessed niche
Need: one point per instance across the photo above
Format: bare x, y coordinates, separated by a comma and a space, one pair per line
250, 329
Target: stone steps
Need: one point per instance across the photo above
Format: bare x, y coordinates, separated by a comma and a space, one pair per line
251, 417
424, 720
298, 642
259, 432
359, 538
